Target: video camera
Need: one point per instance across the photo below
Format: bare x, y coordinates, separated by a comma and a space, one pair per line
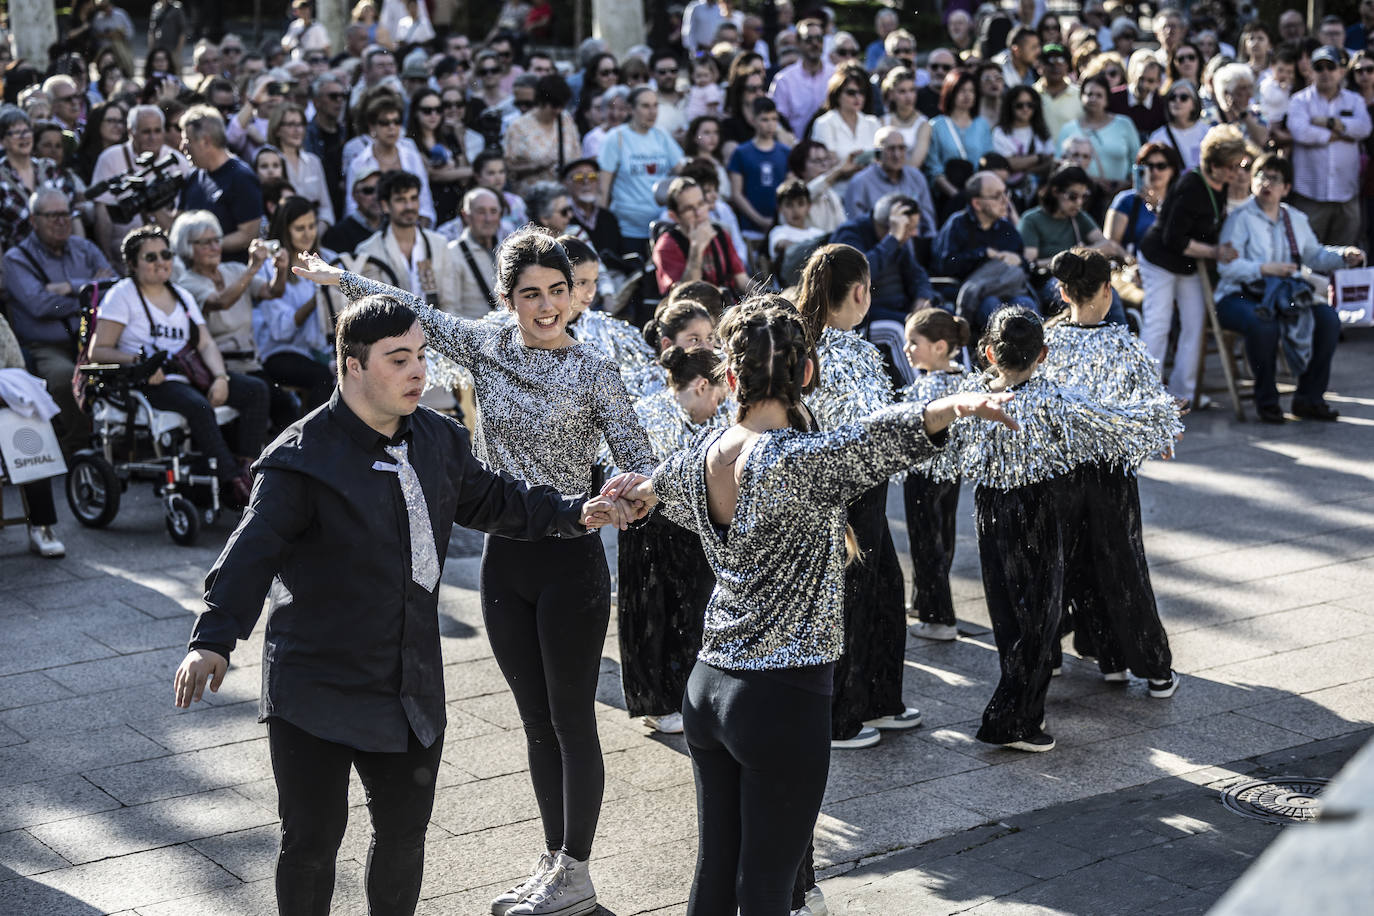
150, 185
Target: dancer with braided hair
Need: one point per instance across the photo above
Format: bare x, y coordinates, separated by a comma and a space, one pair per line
852, 382
767, 498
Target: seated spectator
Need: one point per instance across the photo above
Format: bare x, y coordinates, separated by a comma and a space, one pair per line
582, 179
1139, 99
977, 235
383, 119
614, 107
1059, 224
1133, 212
757, 167
737, 120
702, 141
1058, 96
1184, 128
889, 174
633, 159
793, 225
223, 291
104, 128
50, 142
820, 170
958, 134
405, 255
41, 511
1272, 241
246, 131
1023, 137
939, 64
289, 328
1234, 86
1114, 138
364, 218
148, 312
520, 101
899, 100
147, 134
489, 170
693, 248
220, 183
842, 124
721, 213
474, 253
21, 174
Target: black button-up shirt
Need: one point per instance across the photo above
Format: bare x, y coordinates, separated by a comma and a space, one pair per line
352, 643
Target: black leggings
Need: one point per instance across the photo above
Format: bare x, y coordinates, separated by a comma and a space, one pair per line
295, 370
760, 754
931, 507
312, 799
546, 605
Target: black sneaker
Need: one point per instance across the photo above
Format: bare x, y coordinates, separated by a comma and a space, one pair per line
1314, 410
1272, 413
1035, 744
1162, 690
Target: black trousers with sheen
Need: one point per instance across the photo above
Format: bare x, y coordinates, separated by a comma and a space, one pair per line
312, 799
931, 520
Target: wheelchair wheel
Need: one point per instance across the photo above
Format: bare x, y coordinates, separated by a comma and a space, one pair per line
183, 520
93, 490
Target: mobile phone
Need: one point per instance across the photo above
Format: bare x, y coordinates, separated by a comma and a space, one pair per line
866, 157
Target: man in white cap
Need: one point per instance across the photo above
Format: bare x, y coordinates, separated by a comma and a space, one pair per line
1328, 123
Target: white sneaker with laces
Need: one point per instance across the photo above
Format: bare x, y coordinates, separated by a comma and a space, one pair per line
502, 904
671, 724
564, 890
943, 632
44, 543
1162, 690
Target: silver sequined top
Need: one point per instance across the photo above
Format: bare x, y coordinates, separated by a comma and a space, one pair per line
780, 573
618, 340
1106, 359
853, 383
1062, 427
668, 426
927, 387
540, 413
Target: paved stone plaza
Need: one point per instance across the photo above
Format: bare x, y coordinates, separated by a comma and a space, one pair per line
111, 801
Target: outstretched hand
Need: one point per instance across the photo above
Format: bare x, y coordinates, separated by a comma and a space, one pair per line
318, 271
943, 411
199, 667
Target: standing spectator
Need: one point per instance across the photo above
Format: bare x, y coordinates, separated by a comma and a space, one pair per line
1186, 64
671, 119
939, 64
979, 233
1272, 241
221, 183
147, 133
106, 127
1185, 128
1331, 32
693, 248
758, 167
378, 65
1188, 228
446, 143
21, 174
286, 131
246, 131
1058, 96
899, 100
1139, 99
386, 153
324, 135
208, 64
884, 23
231, 54
1020, 57
958, 134
474, 253
1292, 26
403, 254
364, 219
1114, 138
66, 100
701, 19
703, 142
40, 511
540, 142
43, 275
1022, 136
167, 28
613, 107
737, 124
1327, 123
600, 75
960, 31
799, 89
889, 174
991, 85
1256, 47
1233, 87
112, 26
633, 158
1170, 30
304, 34
842, 124
1360, 80
1357, 35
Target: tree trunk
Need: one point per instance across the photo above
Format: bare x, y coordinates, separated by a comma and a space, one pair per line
34, 26
619, 23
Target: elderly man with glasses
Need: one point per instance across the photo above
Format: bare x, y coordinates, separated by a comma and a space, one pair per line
43, 275
889, 174
939, 63
1328, 124
147, 132
68, 105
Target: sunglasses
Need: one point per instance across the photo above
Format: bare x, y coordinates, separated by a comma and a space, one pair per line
850, 90
753, 87
1025, 106
939, 68
505, 55
367, 191
389, 122
153, 257
231, 50
488, 71
812, 39
1157, 165
428, 109
1180, 98
662, 71
1364, 71
524, 104
904, 51
316, 60
611, 72
846, 52
451, 104
335, 96
1323, 66
1186, 59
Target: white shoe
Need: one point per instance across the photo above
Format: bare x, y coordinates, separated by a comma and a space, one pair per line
1115, 677
944, 632
1056, 672
907, 718
815, 902
867, 737
44, 543
671, 724
502, 904
565, 890
1162, 690
804, 911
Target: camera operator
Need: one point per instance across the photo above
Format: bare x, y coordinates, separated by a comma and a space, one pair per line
147, 131
220, 183
43, 275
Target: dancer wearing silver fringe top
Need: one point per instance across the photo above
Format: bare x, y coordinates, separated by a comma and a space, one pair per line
544, 402
768, 501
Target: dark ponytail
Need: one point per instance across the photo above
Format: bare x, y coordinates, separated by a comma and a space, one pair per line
685, 366
671, 318
1016, 336
578, 251
1081, 273
826, 279
936, 325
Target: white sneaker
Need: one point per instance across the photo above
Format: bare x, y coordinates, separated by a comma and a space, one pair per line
1115, 677
1162, 690
565, 890
943, 632
815, 902
907, 718
867, 737
671, 724
44, 543
502, 904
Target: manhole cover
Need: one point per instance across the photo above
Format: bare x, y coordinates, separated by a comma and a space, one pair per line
1285, 800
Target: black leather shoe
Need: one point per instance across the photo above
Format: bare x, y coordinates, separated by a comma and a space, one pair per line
1270, 413
1314, 410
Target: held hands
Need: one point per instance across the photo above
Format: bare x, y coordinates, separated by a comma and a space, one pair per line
944, 411
602, 510
634, 489
198, 667
317, 271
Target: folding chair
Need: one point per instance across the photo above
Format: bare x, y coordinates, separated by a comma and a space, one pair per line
1224, 342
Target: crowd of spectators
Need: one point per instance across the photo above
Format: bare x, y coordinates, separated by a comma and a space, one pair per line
726, 155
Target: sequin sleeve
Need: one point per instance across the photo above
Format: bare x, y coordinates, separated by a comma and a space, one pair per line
456, 338
841, 463
615, 417
669, 481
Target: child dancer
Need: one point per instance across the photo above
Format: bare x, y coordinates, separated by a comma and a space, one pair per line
544, 403
833, 297
768, 501
1107, 582
1020, 499
933, 337
678, 322
664, 578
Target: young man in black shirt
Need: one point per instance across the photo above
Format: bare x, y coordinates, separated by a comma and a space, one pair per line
347, 528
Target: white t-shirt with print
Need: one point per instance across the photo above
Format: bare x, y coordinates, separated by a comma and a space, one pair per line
169, 332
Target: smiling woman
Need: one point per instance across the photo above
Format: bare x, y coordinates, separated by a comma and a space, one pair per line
544, 403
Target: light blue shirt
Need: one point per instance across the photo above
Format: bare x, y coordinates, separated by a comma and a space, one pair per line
638, 161
948, 141
274, 320
1260, 240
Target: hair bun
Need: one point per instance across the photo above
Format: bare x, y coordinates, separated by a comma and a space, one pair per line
1066, 266
673, 358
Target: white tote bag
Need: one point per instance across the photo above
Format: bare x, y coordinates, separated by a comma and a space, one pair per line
29, 448
1353, 296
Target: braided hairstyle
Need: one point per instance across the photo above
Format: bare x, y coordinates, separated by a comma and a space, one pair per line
766, 348
686, 366
1016, 336
671, 319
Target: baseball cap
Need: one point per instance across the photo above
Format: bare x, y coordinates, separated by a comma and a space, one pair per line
1327, 53
1053, 50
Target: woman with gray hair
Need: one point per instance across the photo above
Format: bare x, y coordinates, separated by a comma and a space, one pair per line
21, 173
1233, 86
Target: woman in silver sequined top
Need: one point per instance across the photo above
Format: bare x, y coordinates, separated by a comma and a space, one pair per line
544, 403
767, 499
833, 298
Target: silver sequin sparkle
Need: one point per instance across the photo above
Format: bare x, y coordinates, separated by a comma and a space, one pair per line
424, 558
853, 383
